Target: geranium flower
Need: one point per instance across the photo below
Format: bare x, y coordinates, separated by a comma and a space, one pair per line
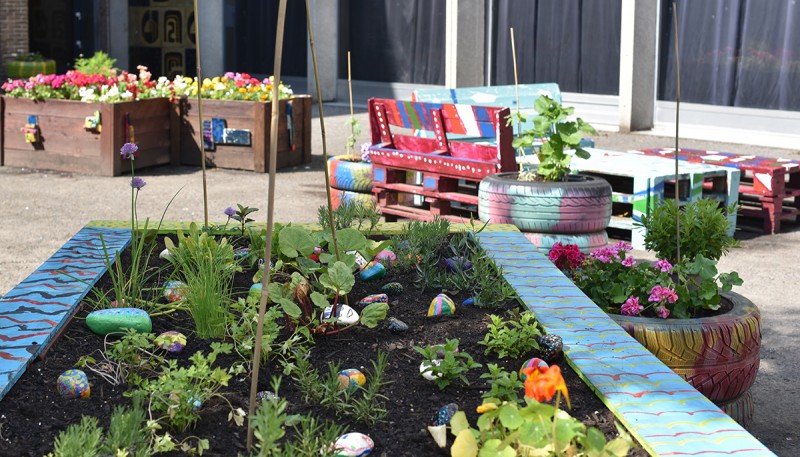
605, 254
629, 262
622, 246
631, 307
662, 312
663, 265
543, 382
137, 183
128, 150
659, 294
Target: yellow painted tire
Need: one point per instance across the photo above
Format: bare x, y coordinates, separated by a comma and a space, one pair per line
17, 69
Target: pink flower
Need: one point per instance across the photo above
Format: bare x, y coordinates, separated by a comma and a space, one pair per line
605, 254
566, 256
631, 307
629, 262
662, 312
659, 294
622, 246
663, 265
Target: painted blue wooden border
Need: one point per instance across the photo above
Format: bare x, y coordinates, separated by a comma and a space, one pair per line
36, 309
666, 414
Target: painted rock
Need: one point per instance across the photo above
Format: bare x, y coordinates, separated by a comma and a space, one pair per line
373, 270
107, 321
73, 384
360, 260
387, 258
350, 379
346, 314
425, 369
441, 305
469, 302
439, 434
550, 347
265, 395
174, 291
531, 363
239, 254
392, 288
255, 291
164, 254
171, 341
445, 413
396, 325
374, 298
353, 445
454, 264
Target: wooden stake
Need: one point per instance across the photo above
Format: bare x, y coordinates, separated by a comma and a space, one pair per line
516, 89
273, 159
350, 89
677, 122
200, 115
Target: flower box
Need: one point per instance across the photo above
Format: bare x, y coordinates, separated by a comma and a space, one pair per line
294, 137
64, 143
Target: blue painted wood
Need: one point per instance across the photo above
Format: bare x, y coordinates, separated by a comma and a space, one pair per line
36, 309
666, 414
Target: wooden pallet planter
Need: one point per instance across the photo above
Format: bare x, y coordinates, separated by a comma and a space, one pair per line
443, 162
64, 144
769, 188
294, 140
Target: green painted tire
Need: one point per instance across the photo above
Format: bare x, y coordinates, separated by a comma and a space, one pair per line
17, 69
717, 355
586, 242
339, 196
349, 173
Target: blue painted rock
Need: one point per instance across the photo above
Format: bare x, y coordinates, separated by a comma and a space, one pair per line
387, 258
454, 264
396, 325
445, 413
241, 253
373, 270
174, 291
346, 314
353, 445
550, 347
469, 302
425, 369
171, 341
73, 384
255, 291
441, 305
114, 320
392, 288
351, 379
266, 395
531, 363
374, 298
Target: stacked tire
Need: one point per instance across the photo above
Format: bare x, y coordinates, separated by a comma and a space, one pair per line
351, 180
571, 212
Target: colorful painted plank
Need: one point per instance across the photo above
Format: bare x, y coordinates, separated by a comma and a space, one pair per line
767, 179
665, 414
36, 309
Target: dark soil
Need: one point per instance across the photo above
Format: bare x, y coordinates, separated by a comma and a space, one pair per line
33, 413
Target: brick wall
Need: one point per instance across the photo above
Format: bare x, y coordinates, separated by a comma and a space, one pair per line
13, 30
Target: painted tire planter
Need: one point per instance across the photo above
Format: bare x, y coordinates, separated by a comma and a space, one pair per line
580, 205
586, 242
350, 173
717, 355
339, 196
18, 69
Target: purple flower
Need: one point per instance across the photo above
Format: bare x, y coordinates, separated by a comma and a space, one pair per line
658, 294
631, 307
137, 183
662, 312
128, 150
629, 262
663, 265
230, 212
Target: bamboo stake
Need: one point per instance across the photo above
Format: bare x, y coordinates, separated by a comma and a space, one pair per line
516, 89
350, 89
200, 116
273, 159
677, 122
322, 128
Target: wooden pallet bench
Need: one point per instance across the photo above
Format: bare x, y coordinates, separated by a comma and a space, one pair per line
769, 187
450, 168
639, 183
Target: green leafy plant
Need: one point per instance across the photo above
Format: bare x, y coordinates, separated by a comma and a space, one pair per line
99, 64
503, 385
242, 324
446, 363
560, 134
703, 230
513, 337
124, 359
350, 214
241, 215
355, 131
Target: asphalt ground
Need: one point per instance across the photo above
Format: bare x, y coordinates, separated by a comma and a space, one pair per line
40, 210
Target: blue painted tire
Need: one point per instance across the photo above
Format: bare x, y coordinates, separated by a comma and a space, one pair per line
586, 242
350, 173
580, 205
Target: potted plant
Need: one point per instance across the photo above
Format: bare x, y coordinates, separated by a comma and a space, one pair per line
547, 202
236, 122
29, 64
681, 309
74, 121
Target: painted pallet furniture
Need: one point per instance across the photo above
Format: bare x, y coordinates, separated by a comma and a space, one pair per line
33, 312
443, 162
666, 414
640, 183
769, 187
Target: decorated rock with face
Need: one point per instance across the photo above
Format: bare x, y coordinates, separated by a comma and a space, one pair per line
346, 314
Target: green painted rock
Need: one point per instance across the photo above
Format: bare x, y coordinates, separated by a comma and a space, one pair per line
113, 320
392, 288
